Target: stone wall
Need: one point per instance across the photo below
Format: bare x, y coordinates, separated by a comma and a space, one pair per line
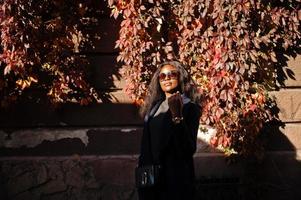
97, 163
71, 177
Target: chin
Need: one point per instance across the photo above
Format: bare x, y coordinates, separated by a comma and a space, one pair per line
169, 89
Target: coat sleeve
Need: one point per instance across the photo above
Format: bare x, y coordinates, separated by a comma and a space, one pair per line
184, 134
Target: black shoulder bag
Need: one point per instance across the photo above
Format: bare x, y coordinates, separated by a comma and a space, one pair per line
147, 176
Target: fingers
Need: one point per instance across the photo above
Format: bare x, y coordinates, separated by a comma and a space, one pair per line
176, 97
175, 103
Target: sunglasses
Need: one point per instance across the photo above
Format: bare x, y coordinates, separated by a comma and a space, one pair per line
169, 75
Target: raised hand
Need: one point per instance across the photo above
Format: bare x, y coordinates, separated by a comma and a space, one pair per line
175, 104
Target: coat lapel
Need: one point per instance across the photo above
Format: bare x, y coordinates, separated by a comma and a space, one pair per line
153, 111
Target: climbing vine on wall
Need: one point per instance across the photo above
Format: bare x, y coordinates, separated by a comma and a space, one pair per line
40, 49
232, 48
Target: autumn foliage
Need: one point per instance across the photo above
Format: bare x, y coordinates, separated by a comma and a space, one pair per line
232, 48
40, 49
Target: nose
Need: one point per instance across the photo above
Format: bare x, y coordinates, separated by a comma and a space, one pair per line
167, 77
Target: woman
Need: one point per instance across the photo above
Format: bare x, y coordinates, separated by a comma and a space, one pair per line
171, 120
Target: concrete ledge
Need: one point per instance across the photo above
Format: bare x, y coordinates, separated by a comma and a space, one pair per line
114, 141
60, 142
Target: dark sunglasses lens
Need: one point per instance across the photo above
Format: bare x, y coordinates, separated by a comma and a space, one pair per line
173, 75
162, 76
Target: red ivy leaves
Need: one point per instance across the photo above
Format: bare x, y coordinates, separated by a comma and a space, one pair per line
39, 45
230, 47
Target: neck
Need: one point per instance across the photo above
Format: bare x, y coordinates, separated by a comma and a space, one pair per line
167, 95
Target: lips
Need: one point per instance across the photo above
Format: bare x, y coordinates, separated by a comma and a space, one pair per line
167, 84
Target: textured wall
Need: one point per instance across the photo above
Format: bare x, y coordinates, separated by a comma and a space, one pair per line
67, 178
98, 163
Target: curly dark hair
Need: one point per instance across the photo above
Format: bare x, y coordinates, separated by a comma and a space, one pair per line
186, 86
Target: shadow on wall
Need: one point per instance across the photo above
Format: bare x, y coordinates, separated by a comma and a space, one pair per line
105, 78
103, 71
283, 71
277, 176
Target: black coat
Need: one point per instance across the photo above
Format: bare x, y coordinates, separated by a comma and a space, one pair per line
174, 149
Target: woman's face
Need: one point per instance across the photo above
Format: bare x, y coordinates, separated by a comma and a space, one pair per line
169, 79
